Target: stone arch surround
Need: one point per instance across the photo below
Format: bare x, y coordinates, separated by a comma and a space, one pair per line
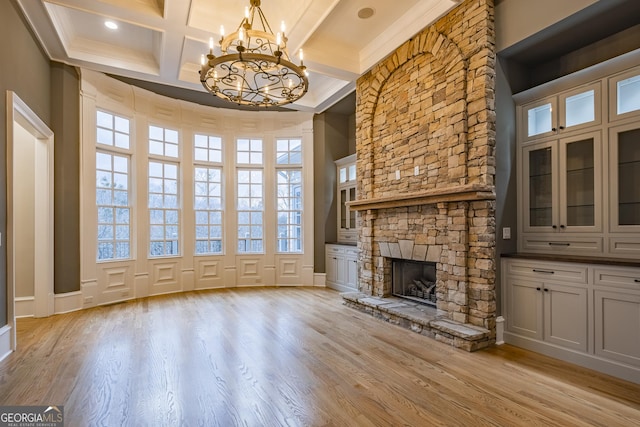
430, 104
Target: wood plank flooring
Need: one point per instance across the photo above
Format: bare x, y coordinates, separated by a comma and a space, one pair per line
288, 357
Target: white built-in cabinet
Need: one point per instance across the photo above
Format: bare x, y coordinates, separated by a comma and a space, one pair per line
346, 192
579, 170
341, 263
573, 289
584, 313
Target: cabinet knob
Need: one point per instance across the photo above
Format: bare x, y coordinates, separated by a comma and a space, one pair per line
562, 226
637, 280
561, 127
546, 290
554, 226
554, 129
537, 289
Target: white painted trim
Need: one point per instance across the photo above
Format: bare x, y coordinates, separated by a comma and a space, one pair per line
499, 330
5, 342
18, 111
590, 361
25, 307
68, 302
320, 279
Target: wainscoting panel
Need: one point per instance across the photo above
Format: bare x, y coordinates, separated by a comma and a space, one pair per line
250, 271
114, 283
289, 271
209, 274
165, 277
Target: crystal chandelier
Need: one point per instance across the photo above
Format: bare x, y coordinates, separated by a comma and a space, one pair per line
254, 68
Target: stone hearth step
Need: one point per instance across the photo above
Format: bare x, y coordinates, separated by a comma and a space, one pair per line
420, 318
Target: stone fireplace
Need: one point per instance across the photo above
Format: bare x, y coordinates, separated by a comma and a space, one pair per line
425, 134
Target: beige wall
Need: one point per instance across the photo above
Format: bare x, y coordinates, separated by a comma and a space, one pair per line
24, 211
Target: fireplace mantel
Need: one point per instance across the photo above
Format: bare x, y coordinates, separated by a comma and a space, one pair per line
449, 194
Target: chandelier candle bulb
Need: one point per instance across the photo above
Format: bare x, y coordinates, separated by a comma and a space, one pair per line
202, 59
246, 12
211, 45
282, 27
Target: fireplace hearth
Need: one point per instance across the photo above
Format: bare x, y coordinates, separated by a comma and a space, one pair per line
414, 280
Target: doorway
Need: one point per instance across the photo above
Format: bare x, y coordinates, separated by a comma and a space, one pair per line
29, 214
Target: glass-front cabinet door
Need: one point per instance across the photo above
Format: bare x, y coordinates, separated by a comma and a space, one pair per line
562, 188
566, 112
539, 164
624, 166
581, 183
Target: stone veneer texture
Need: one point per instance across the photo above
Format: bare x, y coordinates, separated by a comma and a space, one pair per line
431, 104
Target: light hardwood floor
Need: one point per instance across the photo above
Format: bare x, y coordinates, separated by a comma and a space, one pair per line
288, 356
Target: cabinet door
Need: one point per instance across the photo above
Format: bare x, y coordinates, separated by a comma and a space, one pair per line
539, 187
331, 262
624, 172
617, 326
538, 119
579, 108
524, 308
352, 272
565, 316
580, 183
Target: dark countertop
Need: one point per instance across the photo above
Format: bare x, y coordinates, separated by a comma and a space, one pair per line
575, 258
354, 244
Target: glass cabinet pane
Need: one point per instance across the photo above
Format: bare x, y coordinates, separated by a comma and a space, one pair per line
343, 175
580, 108
580, 203
628, 95
539, 119
629, 177
352, 172
352, 215
343, 209
540, 191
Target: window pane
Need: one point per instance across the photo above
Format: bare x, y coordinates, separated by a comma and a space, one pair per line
289, 205
164, 218
207, 209
112, 201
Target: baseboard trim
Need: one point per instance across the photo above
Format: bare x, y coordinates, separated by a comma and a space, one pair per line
590, 361
67, 302
25, 307
320, 279
5, 342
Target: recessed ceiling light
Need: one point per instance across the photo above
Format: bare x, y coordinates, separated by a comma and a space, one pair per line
366, 13
111, 25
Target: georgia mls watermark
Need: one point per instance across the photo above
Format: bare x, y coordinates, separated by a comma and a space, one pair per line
31, 416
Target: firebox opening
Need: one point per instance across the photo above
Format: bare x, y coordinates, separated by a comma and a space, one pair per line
414, 280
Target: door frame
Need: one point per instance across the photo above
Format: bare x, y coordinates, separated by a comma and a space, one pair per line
18, 112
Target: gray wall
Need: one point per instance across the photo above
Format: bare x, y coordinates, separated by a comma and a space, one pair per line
65, 122
52, 92
24, 69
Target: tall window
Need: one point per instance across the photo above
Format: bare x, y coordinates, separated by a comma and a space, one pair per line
208, 201
289, 197
164, 197
250, 202
112, 187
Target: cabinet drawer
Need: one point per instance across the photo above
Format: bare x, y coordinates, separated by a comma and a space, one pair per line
351, 253
620, 277
627, 247
548, 271
335, 250
562, 245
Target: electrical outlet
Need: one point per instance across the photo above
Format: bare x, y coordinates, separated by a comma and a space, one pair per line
416, 170
506, 233
397, 174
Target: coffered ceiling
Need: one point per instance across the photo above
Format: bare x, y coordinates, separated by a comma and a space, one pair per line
160, 41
